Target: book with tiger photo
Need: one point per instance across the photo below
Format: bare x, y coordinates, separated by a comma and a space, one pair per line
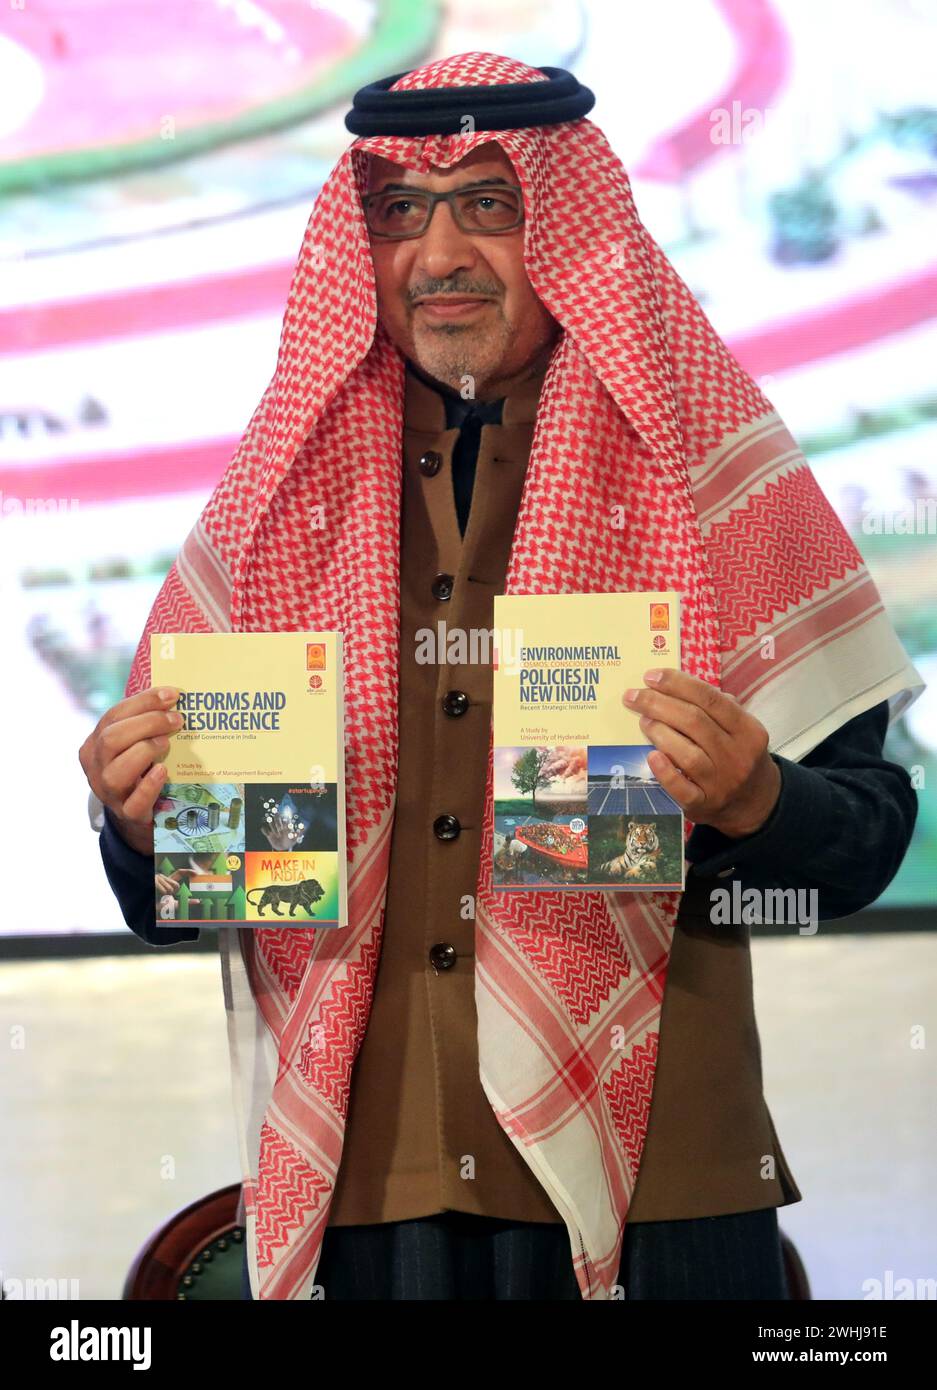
249, 829
575, 803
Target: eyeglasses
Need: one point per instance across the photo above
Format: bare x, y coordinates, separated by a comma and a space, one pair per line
479, 208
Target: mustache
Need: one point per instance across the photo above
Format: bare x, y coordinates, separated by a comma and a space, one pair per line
453, 287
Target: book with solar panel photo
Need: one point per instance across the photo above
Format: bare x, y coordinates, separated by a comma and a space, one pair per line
575, 803
249, 830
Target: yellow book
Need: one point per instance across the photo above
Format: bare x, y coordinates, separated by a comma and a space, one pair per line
250, 828
575, 803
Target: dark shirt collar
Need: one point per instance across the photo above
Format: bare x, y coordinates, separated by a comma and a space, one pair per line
459, 410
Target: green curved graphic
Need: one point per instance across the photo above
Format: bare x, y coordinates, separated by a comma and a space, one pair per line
402, 33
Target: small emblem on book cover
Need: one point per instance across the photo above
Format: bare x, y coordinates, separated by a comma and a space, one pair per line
660, 616
315, 656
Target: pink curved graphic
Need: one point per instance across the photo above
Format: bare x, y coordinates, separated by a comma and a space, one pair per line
114, 72
764, 52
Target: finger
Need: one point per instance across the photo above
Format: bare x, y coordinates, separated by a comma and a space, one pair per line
689, 720
693, 761
103, 742
121, 734
138, 804
709, 698
685, 793
119, 777
141, 703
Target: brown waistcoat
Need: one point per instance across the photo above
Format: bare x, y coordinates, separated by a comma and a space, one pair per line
420, 1134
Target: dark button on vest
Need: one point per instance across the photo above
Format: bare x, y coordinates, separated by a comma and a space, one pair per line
446, 827
455, 702
442, 586
442, 956
430, 463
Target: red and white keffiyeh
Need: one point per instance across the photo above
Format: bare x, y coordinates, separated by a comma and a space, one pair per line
644, 414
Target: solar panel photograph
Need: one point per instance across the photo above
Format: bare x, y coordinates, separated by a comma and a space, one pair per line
621, 783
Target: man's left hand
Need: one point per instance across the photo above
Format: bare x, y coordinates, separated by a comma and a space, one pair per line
711, 756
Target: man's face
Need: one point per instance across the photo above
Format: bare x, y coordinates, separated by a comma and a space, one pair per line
487, 323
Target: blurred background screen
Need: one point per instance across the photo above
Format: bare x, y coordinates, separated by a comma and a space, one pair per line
158, 163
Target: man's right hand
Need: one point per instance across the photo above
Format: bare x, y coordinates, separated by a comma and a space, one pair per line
119, 759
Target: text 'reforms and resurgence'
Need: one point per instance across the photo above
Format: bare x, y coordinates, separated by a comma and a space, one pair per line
230, 711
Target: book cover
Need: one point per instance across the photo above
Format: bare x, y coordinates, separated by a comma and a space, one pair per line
575, 803
249, 830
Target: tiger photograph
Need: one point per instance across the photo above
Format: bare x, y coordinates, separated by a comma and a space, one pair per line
635, 850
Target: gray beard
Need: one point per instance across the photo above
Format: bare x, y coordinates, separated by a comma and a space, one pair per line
447, 356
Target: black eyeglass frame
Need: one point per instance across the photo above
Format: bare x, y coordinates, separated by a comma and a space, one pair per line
449, 198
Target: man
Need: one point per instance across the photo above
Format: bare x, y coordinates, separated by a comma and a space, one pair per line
453, 1097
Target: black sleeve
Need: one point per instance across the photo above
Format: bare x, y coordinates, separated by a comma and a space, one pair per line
842, 824
131, 876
